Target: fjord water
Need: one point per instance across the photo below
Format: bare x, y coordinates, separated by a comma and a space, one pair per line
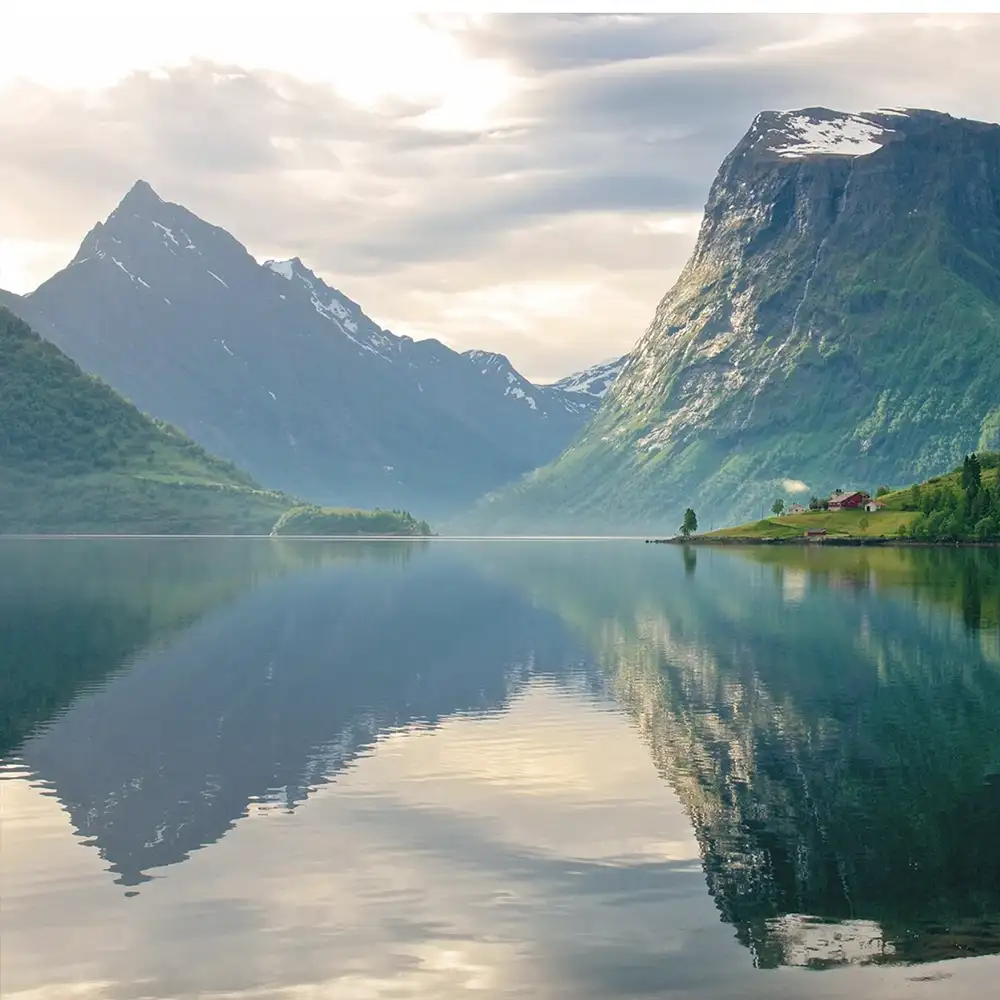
279, 769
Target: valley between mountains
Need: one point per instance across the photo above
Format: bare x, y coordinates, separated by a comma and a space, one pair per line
268, 367
837, 324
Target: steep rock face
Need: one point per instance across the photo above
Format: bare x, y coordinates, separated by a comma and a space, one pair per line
271, 368
838, 323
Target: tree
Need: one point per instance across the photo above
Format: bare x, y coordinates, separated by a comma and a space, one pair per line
975, 474
690, 522
777, 507
882, 490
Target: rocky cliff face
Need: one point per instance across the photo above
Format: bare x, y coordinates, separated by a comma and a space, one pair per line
838, 323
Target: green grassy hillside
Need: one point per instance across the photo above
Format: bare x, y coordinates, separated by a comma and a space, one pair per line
842, 523
939, 509
76, 457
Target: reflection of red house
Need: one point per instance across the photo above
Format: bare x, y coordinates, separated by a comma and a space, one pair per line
845, 501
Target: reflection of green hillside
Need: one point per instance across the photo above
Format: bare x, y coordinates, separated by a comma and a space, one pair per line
832, 728
966, 580
72, 611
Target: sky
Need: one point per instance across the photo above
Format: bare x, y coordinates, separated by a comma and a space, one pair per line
523, 183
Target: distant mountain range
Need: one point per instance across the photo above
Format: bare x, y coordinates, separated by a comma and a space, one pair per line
837, 325
269, 367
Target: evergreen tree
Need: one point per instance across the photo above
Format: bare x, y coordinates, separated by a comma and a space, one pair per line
690, 522
966, 512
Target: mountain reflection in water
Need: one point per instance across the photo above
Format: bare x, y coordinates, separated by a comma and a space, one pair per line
829, 721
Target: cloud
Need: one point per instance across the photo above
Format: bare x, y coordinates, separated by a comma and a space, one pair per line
794, 486
596, 127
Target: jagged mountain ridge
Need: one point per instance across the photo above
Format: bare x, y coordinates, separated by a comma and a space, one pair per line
838, 323
577, 393
594, 381
268, 366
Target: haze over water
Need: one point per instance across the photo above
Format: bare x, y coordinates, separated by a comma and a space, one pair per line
577, 769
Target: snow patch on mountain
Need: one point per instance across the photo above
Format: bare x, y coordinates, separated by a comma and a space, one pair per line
593, 381
168, 234
134, 278
328, 303
821, 132
282, 267
848, 136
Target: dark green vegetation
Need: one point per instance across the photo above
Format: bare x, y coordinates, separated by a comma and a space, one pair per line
690, 524
829, 718
964, 506
838, 321
76, 457
310, 520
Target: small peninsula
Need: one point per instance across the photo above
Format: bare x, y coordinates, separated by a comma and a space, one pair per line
960, 507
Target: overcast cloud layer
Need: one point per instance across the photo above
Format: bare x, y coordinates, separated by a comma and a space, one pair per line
528, 184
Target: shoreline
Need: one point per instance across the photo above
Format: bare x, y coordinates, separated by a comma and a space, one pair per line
846, 541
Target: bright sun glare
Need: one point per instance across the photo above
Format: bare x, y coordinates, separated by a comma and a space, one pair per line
365, 57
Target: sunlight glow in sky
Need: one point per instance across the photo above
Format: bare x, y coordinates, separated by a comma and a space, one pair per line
526, 185
365, 57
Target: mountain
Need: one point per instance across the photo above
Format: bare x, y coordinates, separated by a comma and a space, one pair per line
271, 368
594, 381
75, 457
838, 324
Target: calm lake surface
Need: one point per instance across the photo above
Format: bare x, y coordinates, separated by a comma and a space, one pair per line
556, 769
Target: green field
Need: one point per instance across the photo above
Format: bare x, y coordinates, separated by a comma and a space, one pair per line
842, 523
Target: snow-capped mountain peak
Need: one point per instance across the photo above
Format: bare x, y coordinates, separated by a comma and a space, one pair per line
820, 131
286, 268
594, 381
794, 135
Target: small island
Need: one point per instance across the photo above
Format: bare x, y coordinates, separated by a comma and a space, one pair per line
960, 507
312, 521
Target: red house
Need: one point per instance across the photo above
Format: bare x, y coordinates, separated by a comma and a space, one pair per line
846, 501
